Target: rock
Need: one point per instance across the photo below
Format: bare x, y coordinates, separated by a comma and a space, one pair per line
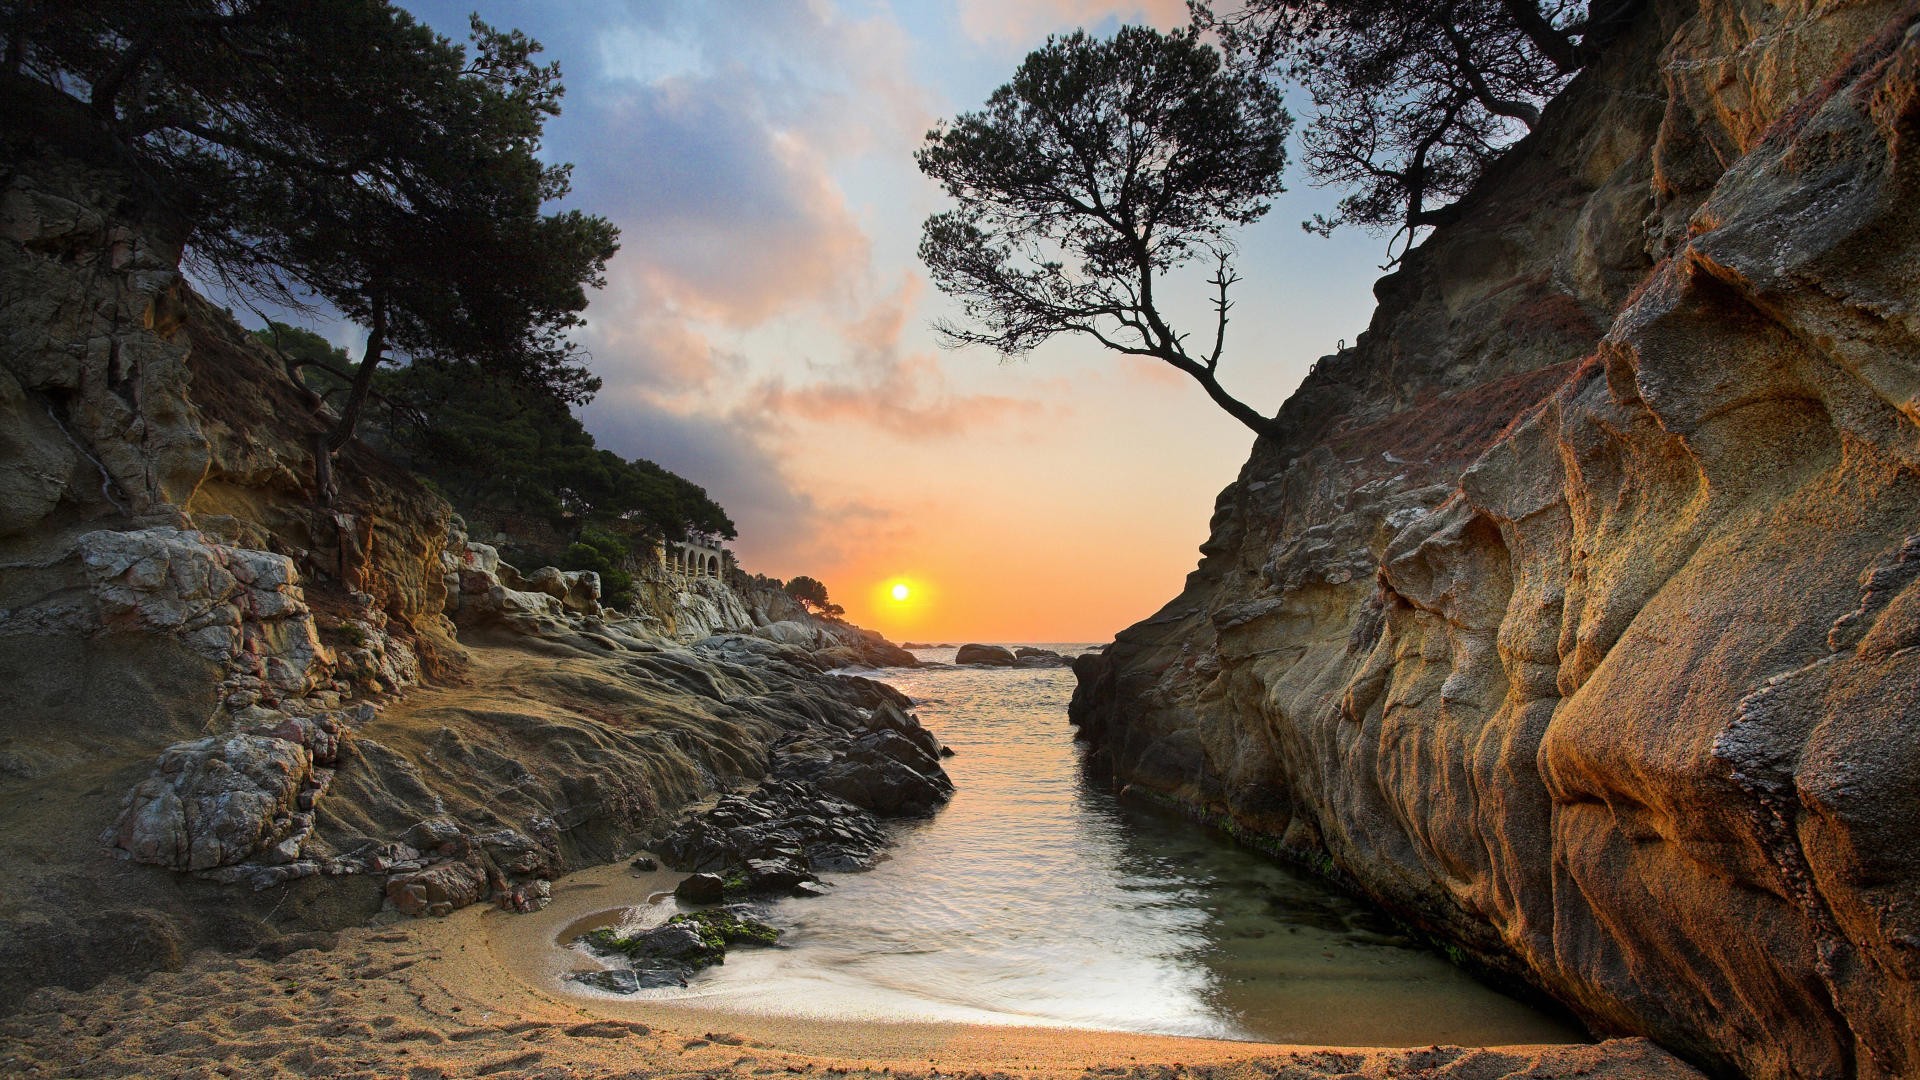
989, 655
1028, 657
674, 943
632, 980
766, 876
792, 819
577, 590
618, 980
213, 802
434, 834
645, 863
525, 896
1575, 616
439, 889
666, 955
239, 607
701, 889
817, 812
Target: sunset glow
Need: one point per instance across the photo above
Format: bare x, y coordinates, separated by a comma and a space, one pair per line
765, 328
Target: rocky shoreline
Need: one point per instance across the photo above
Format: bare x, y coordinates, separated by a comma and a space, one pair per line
238, 717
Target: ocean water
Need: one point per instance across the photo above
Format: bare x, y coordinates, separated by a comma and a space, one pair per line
1038, 898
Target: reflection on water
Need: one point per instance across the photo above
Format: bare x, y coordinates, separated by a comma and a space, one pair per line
1038, 898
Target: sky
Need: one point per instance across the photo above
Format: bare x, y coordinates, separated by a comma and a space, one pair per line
766, 327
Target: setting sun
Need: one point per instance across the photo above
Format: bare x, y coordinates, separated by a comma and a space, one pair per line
900, 591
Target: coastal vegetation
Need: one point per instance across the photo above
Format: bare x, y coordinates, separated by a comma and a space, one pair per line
1100, 168
341, 157
1412, 102
340, 152
813, 594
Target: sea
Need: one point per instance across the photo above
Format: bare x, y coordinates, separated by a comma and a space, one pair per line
1037, 897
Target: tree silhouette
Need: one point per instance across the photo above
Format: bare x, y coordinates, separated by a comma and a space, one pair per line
1099, 169
1413, 100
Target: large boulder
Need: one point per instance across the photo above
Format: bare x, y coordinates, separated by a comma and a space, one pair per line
214, 802
241, 607
988, 655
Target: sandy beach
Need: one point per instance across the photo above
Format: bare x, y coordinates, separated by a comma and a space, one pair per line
480, 994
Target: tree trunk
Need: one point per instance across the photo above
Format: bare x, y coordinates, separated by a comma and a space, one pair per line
1260, 425
324, 488
327, 443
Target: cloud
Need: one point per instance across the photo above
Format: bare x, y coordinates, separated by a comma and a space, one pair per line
741, 147
1023, 22
879, 385
724, 218
729, 454
908, 399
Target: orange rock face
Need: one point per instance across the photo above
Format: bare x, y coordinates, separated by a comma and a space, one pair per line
1575, 618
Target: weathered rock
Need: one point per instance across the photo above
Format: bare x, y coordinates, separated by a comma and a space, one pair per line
701, 889
439, 889
769, 876
991, 655
213, 802
1572, 618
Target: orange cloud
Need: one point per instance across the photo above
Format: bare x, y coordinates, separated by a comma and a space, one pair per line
909, 400
907, 396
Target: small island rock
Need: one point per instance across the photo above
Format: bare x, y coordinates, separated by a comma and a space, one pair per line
991, 655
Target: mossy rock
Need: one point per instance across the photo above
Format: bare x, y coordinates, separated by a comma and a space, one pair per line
684, 944
722, 928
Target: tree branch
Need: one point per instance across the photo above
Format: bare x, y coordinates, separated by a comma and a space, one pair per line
1553, 44
1221, 280
1522, 111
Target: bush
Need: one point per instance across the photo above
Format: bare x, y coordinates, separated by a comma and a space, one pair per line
603, 553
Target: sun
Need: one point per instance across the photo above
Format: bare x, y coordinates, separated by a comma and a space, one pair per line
900, 592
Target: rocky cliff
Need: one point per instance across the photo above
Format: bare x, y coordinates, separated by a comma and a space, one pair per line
1574, 619
231, 714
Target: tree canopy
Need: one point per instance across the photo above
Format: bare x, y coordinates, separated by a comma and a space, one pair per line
813, 594
339, 150
501, 449
1412, 100
1100, 168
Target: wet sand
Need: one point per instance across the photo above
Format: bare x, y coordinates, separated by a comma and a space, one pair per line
477, 994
